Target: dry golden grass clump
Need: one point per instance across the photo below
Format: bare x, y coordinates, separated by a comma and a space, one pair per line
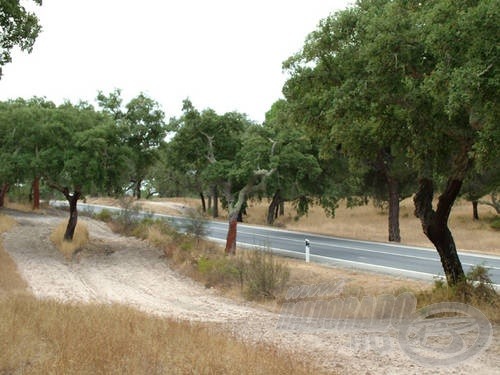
6, 223
10, 280
80, 238
44, 337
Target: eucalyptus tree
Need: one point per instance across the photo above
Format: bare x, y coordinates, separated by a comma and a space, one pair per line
142, 124
18, 27
387, 80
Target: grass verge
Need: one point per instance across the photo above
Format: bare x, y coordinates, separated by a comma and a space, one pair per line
50, 337
10, 280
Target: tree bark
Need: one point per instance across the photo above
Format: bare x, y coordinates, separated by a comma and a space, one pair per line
393, 188
231, 233
3, 193
475, 212
272, 210
138, 189
203, 205
215, 193
73, 211
36, 192
435, 225
73, 215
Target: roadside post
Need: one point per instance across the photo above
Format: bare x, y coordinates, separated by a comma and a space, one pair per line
308, 250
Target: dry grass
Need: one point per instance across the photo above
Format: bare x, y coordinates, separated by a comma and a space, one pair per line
10, 280
50, 337
39, 337
80, 238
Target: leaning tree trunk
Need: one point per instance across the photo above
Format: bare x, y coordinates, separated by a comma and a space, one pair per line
273, 208
393, 187
3, 193
73, 215
36, 192
435, 225
203, 204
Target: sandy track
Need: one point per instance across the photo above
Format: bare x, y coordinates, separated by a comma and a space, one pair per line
116, 269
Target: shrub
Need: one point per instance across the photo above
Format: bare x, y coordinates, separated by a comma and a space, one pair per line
217, 271
105, 215
495, 223
264, 275
196, 224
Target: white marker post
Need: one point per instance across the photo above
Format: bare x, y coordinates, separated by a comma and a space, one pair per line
308, 251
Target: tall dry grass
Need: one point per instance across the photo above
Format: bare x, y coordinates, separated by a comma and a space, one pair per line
69, 248
46, 337
10, 280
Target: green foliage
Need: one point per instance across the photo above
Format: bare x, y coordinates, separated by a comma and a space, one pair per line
495, 223
218, 271
141, 127
104, 215
18, 27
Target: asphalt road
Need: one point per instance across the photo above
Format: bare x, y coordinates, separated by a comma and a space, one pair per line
415, 262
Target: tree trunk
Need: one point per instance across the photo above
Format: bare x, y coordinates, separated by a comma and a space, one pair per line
215, 192
3, 193
138, 189
73, 215
203, 205
273, 208
435, 225
36, 193
231, 233
393, 187
475, 213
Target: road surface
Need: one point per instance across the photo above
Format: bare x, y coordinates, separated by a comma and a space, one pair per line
410, 261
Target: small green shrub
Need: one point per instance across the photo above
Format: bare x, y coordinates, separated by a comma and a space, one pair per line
495, 223
217, 271
105, 215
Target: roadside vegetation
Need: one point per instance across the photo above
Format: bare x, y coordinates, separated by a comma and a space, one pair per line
260, 275
44, 336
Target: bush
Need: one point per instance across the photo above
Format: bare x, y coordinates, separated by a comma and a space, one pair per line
105, 215
196, 224
495, 223
217, 271
264, 276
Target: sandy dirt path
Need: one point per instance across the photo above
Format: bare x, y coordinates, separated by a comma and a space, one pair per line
116, 269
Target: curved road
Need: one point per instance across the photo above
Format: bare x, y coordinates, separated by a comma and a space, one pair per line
416, 262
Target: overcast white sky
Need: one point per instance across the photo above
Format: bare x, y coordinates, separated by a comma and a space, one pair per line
223, 54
